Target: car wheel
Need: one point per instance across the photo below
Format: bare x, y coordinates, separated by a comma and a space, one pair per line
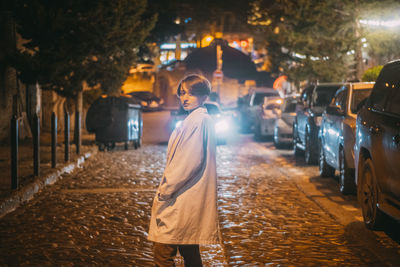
110, 146
257, 133
309, 155
296, 150
346, 176
276, 138
325, 170
101, 147
244, 125
368, 196
137, 143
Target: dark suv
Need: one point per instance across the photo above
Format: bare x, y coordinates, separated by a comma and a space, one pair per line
312, 102
377, 149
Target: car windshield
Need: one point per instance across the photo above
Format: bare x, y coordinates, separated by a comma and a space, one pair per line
322, 96
289, 106
143, 95
357, 97
212, 109
259, 97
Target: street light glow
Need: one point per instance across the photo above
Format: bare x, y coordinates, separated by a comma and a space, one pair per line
389, 23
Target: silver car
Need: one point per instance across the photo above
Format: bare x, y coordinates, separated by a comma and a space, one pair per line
265, 119
283, 129
337, 134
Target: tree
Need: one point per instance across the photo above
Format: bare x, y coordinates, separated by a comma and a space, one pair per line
75, 41
176, 16
322, 40
307, 39
381, 41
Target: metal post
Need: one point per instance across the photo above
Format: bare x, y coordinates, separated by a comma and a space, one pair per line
78, 132
53, 140
66, 136
36, 144
14, 152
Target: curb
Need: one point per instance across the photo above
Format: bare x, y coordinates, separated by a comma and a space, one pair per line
27, 192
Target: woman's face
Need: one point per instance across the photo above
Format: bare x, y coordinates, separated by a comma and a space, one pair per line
189, 101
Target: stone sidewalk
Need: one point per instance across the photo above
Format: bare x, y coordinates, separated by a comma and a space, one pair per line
29, 184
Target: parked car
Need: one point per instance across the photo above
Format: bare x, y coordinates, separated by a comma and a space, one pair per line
283, 128
264, 122
312, 102
249, 106
148, 100
337, 134
377, 149
223, 122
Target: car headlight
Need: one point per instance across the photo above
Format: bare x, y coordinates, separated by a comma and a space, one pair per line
143, 103
318, 120
221, 126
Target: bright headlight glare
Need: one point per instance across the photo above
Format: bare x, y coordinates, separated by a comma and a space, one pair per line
143, 103
221, 126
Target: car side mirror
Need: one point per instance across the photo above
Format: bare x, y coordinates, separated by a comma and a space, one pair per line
334, 110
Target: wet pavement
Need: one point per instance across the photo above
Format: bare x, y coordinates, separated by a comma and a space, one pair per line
266, 220
99, 214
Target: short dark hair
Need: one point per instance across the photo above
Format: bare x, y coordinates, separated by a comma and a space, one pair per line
196, 84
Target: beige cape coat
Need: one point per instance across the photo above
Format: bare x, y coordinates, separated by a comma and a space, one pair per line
185, 206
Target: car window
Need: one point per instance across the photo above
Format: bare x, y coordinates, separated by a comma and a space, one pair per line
143, 95
322, 96
386, 80
340, 100
394, 102
212, 109
305, 96
259, 97
245, 100
273, 106
289, 106
357, 97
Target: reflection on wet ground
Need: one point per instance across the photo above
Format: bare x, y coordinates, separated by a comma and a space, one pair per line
99, 215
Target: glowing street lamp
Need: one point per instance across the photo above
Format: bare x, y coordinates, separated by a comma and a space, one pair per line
381, 23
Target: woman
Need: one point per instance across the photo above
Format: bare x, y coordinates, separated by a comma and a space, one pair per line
184, 212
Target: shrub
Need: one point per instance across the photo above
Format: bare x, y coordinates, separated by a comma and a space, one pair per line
371, 74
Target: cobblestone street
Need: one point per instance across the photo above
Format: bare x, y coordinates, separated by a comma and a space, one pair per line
265, 219
99, 215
